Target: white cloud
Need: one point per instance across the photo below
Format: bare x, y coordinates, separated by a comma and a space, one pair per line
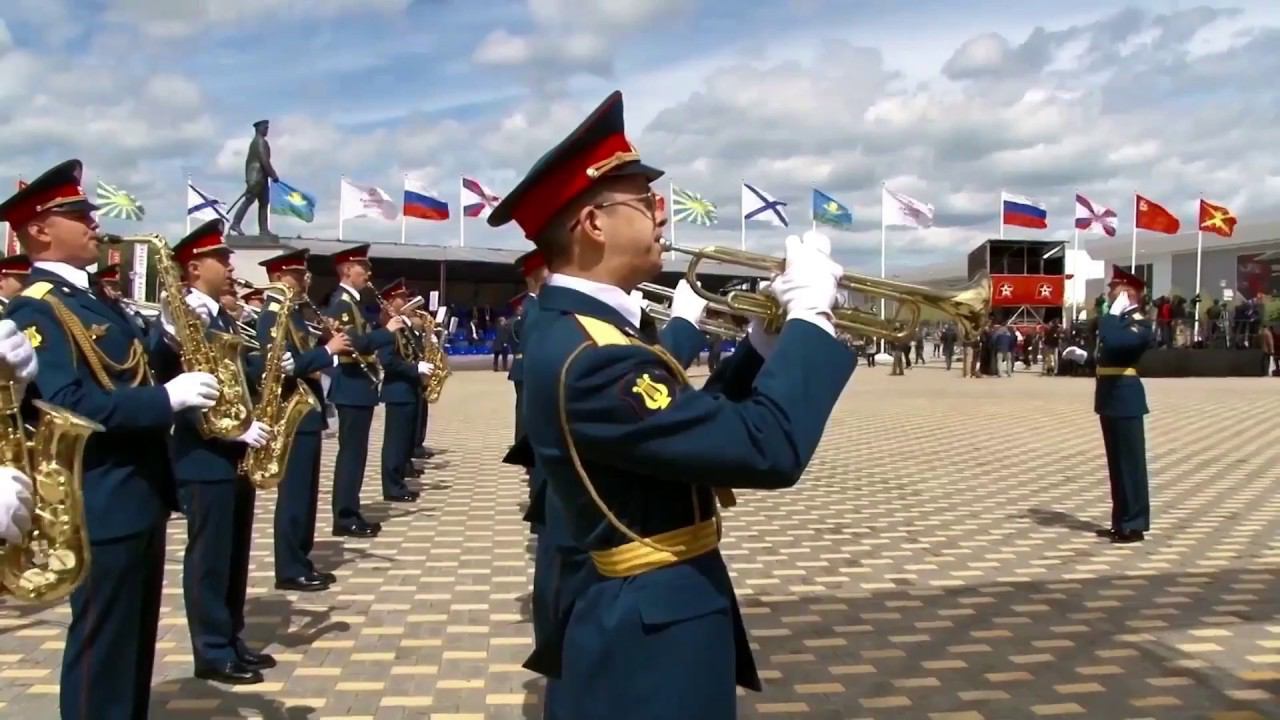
179, 18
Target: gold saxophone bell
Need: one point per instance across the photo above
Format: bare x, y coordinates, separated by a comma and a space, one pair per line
53, 558
969, 306
661, 312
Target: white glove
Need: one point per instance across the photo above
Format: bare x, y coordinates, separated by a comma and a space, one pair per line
166, 319
638, 296
1120, 304
763, 341
286, 363
17, 353
426, 368
687, 304
1075, 354
192, 390
256, 436
16, 505
807, 287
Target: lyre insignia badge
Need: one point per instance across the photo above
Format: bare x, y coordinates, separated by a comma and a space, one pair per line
97, 331
33, 336
656, 395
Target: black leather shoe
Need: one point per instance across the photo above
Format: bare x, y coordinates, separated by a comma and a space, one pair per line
233, 672
412, 472
306, 583
420, 453
1124, 537
256, 661
356, 530
404, 497
326, 577
1104, 532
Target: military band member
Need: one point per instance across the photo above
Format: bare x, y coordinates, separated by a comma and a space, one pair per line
95, 362
299, 490
14, 271
217, 500
402, 376
18, 361
1120, 401
534, 270
105, 283
355, 389
251, 307
636, 455
420, 449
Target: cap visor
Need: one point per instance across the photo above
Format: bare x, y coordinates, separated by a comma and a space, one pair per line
79, 206
636, 168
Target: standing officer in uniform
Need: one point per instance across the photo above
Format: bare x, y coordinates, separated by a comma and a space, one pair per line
402, 376
217, 500
14, 271
534, 269
258, 176
637, 456
1120, 401
299, 490
93, 361
355, 389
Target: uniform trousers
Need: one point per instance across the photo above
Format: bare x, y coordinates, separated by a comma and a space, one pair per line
399, 428
215, 568
111, 643
1126, 445
353, 453
295, 521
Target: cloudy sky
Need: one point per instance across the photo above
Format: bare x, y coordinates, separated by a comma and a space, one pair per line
940, 99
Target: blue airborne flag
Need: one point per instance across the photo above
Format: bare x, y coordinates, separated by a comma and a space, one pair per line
292, 202
829, 211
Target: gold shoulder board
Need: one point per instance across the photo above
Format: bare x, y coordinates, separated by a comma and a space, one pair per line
38, 290
601, 332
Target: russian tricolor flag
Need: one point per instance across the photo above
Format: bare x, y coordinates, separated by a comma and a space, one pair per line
1024, 212
418, 203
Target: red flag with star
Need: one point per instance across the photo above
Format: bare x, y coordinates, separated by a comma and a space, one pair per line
1152, 216
1216, 219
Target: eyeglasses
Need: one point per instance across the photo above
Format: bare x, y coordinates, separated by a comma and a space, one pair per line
651, 202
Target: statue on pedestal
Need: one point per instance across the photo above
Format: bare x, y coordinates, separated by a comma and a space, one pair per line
258, 176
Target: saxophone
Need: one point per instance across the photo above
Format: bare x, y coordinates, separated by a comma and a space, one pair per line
53, 558
433, 353
265, 466
218, 355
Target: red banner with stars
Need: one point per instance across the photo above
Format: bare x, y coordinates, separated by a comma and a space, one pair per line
1015, 290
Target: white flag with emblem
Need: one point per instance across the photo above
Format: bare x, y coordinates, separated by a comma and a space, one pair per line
359, 201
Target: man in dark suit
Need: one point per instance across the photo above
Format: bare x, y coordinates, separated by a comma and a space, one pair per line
217, 500
355, 388
948, 338
94, 362
614, 423
402, 376
502, 345
258, 176
1120, 401
295, 518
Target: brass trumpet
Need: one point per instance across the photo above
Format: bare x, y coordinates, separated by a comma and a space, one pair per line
968, 306
661, 312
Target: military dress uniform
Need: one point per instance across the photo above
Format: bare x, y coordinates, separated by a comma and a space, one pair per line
355, 395
299, 489
218, 502
402, 396
95, 362
1121, 403
641, 458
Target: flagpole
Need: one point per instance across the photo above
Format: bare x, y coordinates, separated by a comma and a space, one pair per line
884, 232
1133, 246
1195, 331
813, 218
1000, 214
188, 209
342, 181
1075, 258
742, 213
671, 206
462, 217
404, 219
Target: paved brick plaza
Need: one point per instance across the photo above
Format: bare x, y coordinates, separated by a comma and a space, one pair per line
937, 561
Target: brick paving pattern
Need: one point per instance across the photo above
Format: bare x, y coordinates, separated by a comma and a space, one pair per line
937, 561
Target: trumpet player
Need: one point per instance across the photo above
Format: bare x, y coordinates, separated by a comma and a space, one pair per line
295, 518
638, 456
14, 271
355, 389
94, 362
216, 499
16, 501
403, 374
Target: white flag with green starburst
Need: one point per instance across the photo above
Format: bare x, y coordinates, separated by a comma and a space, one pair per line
116, 203
690, 207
